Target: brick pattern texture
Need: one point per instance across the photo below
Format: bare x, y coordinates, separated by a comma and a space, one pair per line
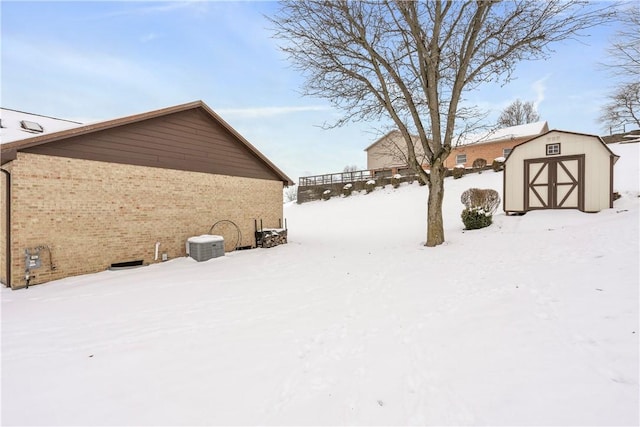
93, 214
390, 152
488, 151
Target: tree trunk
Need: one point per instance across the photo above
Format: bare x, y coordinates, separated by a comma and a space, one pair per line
435, 225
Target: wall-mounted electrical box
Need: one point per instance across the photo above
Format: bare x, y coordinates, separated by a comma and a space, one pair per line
32, 258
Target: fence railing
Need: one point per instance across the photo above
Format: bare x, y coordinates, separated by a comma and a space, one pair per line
355, 176
335, 178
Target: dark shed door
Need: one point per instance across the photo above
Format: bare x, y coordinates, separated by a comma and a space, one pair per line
554, 183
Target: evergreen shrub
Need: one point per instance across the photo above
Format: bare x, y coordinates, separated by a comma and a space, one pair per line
476, 218
480, 204
457, 172
498, 164
395, 180
370, 186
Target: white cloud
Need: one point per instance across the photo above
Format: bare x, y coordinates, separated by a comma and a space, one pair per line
539, 87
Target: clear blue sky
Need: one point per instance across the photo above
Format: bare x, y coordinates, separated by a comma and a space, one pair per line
91, 61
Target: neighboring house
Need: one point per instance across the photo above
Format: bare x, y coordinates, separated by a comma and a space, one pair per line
122, 191
390, 151
494, 145
559, 170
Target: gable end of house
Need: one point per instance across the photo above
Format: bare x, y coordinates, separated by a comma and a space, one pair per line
189, 137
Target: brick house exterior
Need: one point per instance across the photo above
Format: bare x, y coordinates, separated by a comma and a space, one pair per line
111, 192
390, 150
498, 144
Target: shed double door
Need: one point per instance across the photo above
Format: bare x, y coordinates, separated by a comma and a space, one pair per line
554, 183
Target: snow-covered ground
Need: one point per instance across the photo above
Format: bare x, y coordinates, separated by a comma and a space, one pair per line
532, 321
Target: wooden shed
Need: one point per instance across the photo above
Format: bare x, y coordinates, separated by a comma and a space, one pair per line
559, 170
129, 191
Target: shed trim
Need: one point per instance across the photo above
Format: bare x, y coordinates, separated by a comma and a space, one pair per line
552, 202
615, 156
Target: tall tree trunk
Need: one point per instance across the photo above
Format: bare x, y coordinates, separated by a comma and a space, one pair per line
435, 225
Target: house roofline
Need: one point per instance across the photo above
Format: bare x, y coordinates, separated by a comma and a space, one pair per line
382, 138
9, 149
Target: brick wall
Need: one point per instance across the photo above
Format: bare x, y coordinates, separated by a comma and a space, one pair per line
93, 214
488, 151
389, 152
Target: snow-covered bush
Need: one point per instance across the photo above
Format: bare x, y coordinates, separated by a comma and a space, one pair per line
347, 189
485, 199
476, 218
479, 207
370, 186
326, 195
498, 164
458, 171
395, 180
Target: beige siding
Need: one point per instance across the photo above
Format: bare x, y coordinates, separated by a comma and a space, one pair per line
93, 214
513, 193
390, 152
597, 180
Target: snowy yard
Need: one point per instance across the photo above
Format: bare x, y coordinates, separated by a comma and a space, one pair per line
532, 321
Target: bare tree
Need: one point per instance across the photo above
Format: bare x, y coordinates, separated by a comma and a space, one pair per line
623, 108
518, 113
624, 53
350, 168
412, 62
290, 194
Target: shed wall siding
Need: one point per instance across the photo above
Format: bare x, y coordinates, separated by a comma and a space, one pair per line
93, 214
597, 180
513, 193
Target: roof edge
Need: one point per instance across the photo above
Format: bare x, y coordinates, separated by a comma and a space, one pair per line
564, 131
13, 146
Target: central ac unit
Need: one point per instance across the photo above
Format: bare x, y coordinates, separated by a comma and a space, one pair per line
205, 247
